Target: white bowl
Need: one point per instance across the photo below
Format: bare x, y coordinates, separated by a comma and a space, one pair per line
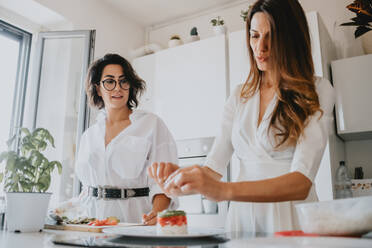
352, 216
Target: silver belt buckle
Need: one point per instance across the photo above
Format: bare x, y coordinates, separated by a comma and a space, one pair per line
130, 193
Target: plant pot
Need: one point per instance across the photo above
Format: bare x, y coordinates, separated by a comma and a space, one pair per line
26, 212
193, 38
174, 42
219, 29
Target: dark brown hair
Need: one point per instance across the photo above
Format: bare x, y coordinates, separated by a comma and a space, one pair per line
292, 66
137, 85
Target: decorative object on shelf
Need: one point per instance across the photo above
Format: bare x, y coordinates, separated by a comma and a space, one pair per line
145, 50
193, 35
363, 19
218, 25
27, 177
244, 14
175, 40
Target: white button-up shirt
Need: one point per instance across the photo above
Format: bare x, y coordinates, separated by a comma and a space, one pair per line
122, 163
258, 158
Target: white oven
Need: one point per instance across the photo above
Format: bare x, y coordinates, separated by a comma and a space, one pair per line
200, 211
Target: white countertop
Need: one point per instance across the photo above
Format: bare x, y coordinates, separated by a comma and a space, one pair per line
44, 240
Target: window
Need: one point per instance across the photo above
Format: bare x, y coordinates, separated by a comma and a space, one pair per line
15, 51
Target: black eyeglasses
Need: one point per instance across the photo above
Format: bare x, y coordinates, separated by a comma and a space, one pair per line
110, 84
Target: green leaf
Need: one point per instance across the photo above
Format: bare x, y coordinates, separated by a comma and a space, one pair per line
1, 177
26, 186
361, 30
10, 164
45, 181
58, 164
49, 137
29, 173
25, 131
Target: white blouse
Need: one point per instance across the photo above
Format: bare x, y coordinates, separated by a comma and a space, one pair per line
122, 163
258, 159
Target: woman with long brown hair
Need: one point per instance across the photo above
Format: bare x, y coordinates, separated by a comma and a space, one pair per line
276, 123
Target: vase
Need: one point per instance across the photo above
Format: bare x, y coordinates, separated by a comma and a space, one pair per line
174, 43
26, 212
193, 38
219, 29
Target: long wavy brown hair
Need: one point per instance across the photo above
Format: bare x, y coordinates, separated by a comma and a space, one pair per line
291, 66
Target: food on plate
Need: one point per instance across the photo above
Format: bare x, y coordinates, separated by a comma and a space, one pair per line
80, 220
110, 221
171, 222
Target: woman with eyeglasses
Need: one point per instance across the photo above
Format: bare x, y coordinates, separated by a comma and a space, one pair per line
115, 151
276, 123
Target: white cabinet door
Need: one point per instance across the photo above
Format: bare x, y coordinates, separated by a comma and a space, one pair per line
145, 69
238, 58
191, 87
352, 79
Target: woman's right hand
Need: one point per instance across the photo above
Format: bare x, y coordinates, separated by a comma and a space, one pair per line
161, 171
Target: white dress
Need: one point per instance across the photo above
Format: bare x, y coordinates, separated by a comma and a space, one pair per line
122, 163
258, 159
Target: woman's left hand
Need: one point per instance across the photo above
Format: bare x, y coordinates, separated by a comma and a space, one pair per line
150, 218
195, 180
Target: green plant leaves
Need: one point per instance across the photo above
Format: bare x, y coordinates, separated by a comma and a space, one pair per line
363, 19
1, 177
30, 170
57, 164
361, 30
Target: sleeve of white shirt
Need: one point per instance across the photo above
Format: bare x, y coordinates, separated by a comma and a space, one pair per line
311, 145
163, 149
222, 149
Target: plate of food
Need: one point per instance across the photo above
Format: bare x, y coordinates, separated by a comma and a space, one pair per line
170, 224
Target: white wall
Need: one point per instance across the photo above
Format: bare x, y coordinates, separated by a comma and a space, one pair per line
331, 11
114, 32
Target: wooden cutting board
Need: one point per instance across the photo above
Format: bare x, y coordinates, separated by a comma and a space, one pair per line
86, 227
76, 227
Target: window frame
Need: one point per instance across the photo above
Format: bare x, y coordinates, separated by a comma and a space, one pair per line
19, 95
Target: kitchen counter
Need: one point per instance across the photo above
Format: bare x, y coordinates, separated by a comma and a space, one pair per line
236, 240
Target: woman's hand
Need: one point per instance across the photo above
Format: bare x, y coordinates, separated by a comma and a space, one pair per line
149, 219
195, 180
159, 203
161, 171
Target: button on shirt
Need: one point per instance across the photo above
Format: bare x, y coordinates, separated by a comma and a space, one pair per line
122, 163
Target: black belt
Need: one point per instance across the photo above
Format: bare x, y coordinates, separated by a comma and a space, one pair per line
116, 193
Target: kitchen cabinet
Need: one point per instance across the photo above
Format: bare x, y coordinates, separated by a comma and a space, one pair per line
323, 53
352, 79
187, 86
145, 68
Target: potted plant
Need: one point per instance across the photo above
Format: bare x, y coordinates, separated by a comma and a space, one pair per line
218, 25
244, 14
27, 177
174, 40
193, 35
363, 19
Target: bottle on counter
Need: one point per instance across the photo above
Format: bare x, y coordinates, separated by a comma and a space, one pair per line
343, 182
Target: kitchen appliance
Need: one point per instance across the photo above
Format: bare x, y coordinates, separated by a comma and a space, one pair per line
201, 212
